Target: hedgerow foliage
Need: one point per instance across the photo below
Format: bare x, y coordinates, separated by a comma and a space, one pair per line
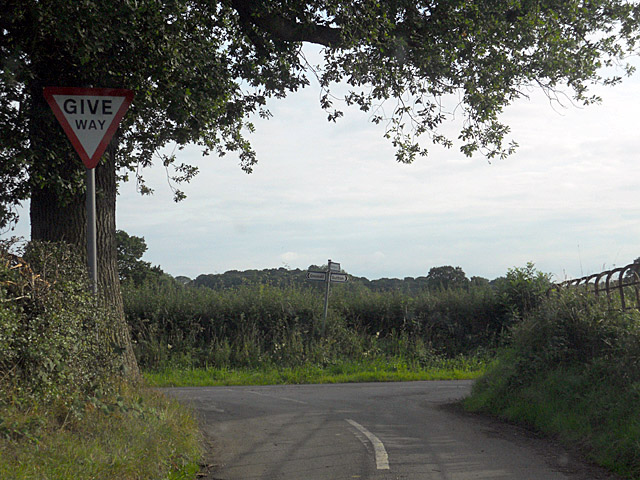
572, 369
254, 323
52, 347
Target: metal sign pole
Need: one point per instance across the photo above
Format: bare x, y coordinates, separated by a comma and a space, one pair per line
326, 297
92, 248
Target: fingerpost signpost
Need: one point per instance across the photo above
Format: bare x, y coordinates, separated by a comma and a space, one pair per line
332, 275
89, 117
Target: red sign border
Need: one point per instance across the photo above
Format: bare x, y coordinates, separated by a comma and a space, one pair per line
89, 162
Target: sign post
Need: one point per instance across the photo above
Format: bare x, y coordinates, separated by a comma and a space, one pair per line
331, 275
92, 242
326, 298
89, 117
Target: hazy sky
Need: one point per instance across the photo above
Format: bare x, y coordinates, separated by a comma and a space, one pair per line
567, 200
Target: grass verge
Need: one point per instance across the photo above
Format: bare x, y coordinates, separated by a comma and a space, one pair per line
344, 372
582, 406
572, 371
141, 436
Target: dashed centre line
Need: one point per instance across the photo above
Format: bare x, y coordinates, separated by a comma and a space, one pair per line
382, 459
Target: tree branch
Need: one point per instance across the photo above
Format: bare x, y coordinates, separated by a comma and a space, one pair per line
284, 28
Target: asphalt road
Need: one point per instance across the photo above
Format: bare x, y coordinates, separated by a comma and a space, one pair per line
409, 430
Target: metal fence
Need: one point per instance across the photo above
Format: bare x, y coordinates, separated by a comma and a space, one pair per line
620, 285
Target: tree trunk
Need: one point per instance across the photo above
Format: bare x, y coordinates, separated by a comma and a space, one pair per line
53, 220
58, 209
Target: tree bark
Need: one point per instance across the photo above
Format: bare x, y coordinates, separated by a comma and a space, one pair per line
52, 222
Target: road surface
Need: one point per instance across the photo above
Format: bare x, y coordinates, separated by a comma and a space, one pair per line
409, 430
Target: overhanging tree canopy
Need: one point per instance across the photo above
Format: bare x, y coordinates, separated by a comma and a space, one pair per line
200, 68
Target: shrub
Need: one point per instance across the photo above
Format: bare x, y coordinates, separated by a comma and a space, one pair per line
50, 327
522, 291
64, 409
574, 328
242, 326
459, 321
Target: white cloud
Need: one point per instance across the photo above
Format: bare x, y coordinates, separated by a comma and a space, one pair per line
290, 257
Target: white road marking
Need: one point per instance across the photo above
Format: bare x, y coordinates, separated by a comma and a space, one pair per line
382, 459
276, 396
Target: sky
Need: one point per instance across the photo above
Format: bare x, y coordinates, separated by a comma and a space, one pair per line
567, 200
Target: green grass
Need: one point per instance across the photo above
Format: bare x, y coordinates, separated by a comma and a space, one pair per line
572, 371
145, 437
345, 372
579, 405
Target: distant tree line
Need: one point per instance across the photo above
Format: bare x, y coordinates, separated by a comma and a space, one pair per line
132, 268
438, 278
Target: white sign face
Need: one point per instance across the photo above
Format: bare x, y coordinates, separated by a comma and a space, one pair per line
338, 277
89, 117
334, 266
320, 276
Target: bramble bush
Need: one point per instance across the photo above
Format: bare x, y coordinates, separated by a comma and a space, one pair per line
50, 328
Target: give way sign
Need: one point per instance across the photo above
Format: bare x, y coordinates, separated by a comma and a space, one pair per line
89, 117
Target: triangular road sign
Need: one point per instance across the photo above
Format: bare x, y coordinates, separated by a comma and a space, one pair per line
89, 117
